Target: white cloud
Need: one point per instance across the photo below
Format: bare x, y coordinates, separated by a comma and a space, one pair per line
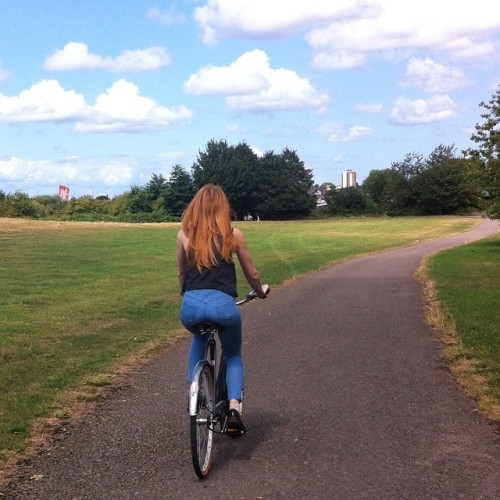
39, 171
338, 59
120, 109
339, 133
76, 55
45, 101
431, 76
246, 74
251, 84
111, 174
343, 33
434, 109
264, 19
469, 47
462, 31
167, 18
372, 109
257, 151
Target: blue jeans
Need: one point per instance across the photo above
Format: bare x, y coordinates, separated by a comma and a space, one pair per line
212, 305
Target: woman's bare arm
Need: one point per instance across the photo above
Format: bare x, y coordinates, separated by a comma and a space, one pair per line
181, 256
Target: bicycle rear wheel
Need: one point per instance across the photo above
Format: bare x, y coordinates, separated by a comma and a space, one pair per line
201, 427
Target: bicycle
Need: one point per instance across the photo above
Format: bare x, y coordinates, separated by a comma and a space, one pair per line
208, 404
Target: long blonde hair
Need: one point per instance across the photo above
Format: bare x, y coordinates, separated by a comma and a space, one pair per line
207, 224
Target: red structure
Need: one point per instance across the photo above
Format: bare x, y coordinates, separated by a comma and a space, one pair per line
64, 193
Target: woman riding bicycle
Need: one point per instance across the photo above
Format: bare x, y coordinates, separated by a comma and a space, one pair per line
207, 276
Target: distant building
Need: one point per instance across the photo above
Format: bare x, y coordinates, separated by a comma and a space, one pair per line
348, 179
64, 193
320, 191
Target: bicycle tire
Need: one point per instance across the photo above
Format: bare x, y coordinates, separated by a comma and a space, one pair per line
201, 430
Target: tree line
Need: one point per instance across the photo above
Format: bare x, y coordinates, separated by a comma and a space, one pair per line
273, 187
440, 184
278, 186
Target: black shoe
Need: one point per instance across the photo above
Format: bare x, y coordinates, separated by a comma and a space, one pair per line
234, 426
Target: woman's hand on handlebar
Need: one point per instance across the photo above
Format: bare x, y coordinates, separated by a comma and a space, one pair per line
252, 294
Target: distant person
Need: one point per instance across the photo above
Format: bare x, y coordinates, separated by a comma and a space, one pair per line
207, 276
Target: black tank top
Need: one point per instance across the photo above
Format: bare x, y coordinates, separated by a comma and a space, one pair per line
221, 277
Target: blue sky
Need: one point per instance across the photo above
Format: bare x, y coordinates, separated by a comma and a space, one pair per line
98, 95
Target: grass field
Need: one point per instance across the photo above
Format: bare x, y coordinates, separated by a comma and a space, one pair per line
80, 299
467, 286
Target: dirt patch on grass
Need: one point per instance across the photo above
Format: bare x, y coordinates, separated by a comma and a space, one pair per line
11, 225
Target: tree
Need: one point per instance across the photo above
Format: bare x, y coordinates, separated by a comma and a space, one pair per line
156, 186
387, 189
272, 187
408, 169
180, 190
150, 198
118, 206
439, 184
81, 206
284, 187
139, 200
325, 188
242, 185
52, 204
234, 169
3, 197
19, 204
441, 155
211, 165
412, 164
487, 136
442, 188
347, 201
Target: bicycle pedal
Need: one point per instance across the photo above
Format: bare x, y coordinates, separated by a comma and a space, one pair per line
234, 433
234, 425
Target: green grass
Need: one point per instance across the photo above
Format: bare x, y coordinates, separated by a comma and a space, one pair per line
79, 300
73, 301
289, 249
468, 284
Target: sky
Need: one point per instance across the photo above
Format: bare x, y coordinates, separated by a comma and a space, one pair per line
99, 95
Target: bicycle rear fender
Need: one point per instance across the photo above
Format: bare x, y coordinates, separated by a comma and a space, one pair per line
193, 390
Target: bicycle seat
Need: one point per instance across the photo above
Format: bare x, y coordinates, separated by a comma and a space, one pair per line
207, 326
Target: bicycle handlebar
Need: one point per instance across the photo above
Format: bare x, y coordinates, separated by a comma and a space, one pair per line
252, 294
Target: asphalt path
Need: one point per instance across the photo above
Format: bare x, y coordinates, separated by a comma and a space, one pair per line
346, 397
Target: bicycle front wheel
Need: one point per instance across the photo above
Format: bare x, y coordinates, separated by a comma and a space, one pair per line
201, 426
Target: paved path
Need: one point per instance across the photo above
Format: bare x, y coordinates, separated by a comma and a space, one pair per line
347, 398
